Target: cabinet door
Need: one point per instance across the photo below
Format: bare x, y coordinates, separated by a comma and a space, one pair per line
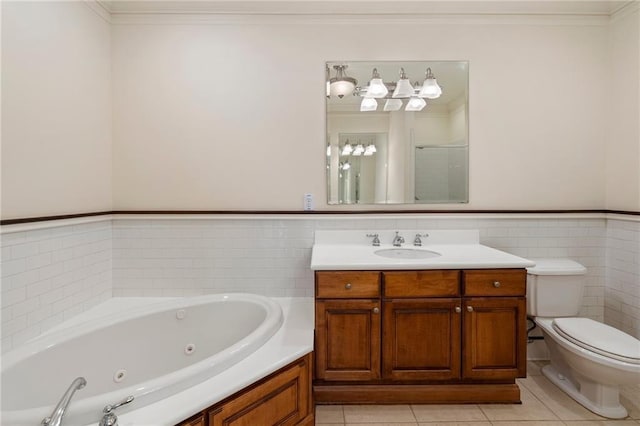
495, 338
421, 339
197, 421
283, 400
347, 345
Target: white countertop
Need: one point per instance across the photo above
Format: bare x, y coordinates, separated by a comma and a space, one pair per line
352, 250
293, 340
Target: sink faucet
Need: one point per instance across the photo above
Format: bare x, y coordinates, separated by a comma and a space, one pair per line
56, 417
398, 240
376, 240
417, 241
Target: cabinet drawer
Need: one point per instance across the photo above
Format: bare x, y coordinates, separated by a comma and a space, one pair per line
495, 282
347, 285
421, 284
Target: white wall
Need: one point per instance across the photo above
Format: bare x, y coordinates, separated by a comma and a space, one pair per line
197, 102
623, 131
56, 109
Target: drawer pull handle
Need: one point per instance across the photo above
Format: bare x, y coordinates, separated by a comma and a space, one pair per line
376, 310
458, 309
470, 308
347, 286
496, 284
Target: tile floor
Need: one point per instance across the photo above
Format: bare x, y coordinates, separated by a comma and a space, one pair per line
543, 404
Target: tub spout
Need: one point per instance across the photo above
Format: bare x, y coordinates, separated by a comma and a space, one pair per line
56, 417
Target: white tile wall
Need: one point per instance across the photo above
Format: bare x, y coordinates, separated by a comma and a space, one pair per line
50, 275
272, 257
622, 293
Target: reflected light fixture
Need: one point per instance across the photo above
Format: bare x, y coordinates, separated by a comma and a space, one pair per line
404, 89
345, 165
392, 105
341, 84
415, 104
359, 150
376, 88
430, 88
370, 150
347, 149
328, 150
368, 104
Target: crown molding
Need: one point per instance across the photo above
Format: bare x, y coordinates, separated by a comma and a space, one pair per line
100, 9
625, 10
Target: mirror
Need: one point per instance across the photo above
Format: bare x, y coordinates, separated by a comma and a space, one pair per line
391, 138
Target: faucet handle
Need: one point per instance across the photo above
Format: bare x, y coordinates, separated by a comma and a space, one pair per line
109, 418
376, 240
418, 241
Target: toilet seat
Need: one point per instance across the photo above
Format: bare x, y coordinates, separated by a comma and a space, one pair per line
599, 338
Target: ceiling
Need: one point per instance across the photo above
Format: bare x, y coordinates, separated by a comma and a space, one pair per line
367, 7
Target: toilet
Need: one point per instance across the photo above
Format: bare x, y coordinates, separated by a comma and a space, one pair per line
589, 360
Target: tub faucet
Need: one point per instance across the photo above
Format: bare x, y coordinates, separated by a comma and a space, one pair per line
398, 240
56, 417
109, 418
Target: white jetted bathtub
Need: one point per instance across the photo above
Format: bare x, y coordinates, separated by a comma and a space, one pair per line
150, 353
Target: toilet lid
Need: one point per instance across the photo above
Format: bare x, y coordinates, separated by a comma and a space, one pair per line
599, 338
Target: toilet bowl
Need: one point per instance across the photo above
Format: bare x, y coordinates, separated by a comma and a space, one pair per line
589, 360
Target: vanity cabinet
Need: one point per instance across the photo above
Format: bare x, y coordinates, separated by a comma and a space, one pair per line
420, 336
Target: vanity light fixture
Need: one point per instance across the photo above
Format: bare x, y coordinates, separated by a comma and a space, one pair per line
368, 104
430, 88
345, 165
404, 89
415, 104
347, 149
392, 105
358, 150
376, 88
370, 150
328, 150
341, 84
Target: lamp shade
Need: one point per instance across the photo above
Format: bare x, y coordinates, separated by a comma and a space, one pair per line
415, 104
368, 104
392, 105
430, 88
404, 89
341, 85
376, 89
359, 150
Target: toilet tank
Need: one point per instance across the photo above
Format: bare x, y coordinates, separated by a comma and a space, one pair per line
555, 288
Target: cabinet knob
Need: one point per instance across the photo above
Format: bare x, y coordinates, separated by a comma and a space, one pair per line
496, 284
376, 310
347, 286
470, 308
458, 309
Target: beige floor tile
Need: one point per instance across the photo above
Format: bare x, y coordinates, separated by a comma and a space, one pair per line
534, 367
561, 404
602, 423
329, 414
530, 409
454, 424
529, 423
385, 424
378, 414
630, 399
448, 413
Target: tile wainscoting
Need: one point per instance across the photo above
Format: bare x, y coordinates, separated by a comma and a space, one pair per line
51, 274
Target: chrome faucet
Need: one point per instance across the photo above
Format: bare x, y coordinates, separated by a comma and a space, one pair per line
376, 240
109, 418
398, 240
56, 417
417, 241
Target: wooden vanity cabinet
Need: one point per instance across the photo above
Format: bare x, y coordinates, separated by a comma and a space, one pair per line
421, 325
420, 336
495, 330
347, 340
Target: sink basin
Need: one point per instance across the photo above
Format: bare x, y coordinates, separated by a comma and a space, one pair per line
406, 253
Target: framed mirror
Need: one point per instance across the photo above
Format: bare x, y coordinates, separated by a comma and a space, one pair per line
397, 132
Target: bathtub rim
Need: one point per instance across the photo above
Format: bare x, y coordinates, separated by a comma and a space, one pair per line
159, 387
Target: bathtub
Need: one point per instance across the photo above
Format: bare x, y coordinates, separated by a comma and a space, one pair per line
150, 352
